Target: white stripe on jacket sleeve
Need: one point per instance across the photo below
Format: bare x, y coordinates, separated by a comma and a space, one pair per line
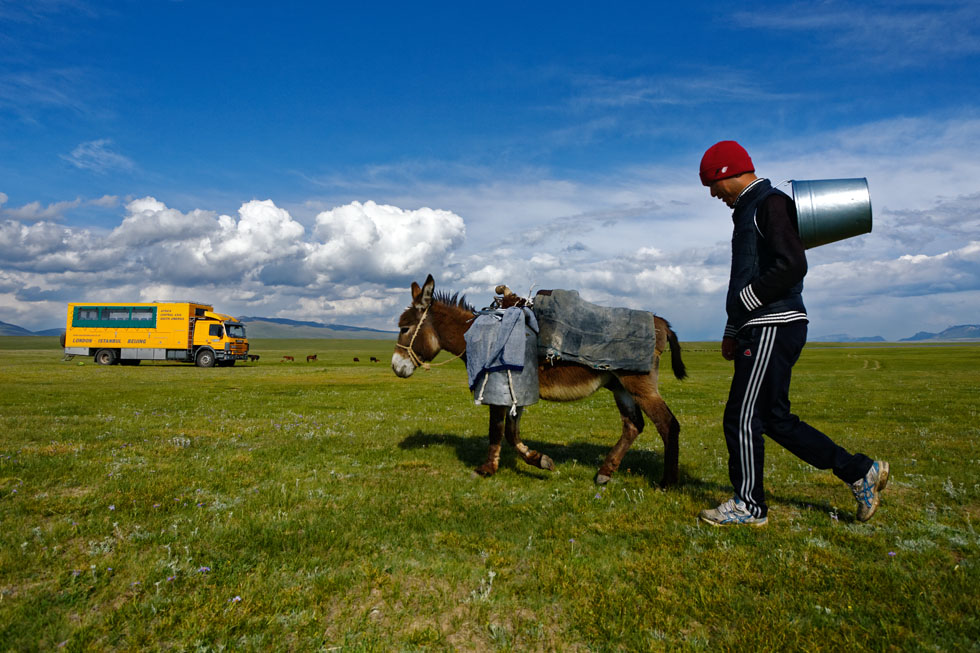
749, 299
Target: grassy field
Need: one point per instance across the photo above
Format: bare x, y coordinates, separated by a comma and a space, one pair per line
331, 506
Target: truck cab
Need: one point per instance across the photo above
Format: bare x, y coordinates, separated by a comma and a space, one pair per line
218, 340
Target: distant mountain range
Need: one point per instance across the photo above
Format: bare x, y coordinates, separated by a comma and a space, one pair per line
843, 337
961, 332
274, 327
7, 329
258, 327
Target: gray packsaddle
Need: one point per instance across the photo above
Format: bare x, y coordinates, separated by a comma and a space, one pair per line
603, 338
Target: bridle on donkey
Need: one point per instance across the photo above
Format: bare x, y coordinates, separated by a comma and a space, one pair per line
414, 357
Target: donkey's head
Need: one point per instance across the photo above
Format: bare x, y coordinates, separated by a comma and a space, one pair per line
418, 341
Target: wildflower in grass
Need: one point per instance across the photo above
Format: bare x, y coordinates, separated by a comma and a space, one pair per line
170, 578
891, 554
235, 599
112, 507
204, 570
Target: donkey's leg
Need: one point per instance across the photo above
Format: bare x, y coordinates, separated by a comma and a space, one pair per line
632, 418
643, 389
498, 419
513, 432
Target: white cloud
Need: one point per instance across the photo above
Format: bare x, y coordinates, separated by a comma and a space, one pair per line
150, 221
263, 233
646, 237
651, 237
382, 242
56, 211
46, 247
261, 262
99, 157
719, 85
106, 201
315, 308
25, 91
908, 275
897, 33
34, 211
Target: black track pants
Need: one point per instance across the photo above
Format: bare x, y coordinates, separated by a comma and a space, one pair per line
758, 403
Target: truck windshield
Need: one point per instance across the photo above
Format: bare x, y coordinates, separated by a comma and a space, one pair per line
235, 330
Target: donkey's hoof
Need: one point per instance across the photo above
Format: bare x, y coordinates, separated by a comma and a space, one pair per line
602, 479
484, 471
546, 463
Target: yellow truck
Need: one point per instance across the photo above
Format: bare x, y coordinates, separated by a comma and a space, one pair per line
129, 333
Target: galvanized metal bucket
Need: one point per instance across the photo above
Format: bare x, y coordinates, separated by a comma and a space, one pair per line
828, 210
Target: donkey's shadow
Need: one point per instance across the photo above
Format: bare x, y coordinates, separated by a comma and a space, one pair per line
471, 451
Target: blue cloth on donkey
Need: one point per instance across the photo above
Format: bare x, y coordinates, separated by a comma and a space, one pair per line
572, 329
501, 357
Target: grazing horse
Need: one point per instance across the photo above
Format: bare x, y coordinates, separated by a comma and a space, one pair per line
436, 322
287, 358
374, 359
311, 357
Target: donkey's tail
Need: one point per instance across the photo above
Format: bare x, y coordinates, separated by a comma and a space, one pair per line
676, 364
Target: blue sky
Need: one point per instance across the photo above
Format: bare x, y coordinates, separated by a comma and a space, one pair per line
310, 162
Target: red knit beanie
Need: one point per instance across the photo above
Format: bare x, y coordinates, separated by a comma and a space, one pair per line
723, 160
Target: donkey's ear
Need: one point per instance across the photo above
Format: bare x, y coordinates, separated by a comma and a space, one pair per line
424, 297
416, 292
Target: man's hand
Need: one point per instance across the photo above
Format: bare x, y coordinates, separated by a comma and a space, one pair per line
728, 349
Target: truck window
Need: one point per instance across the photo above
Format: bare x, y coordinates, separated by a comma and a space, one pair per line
142, 313
88, 314
215, 330
115, 313
235, 330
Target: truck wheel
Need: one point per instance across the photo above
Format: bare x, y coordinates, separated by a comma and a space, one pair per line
105, 357
205, 358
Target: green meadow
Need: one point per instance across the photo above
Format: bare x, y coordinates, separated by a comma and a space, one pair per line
330, 506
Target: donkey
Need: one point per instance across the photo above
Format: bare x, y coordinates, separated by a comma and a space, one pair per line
434, 322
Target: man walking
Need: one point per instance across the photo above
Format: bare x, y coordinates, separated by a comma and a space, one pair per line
764, 336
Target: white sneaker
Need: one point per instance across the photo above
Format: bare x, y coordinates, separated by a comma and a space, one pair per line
867, 491
732, 512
